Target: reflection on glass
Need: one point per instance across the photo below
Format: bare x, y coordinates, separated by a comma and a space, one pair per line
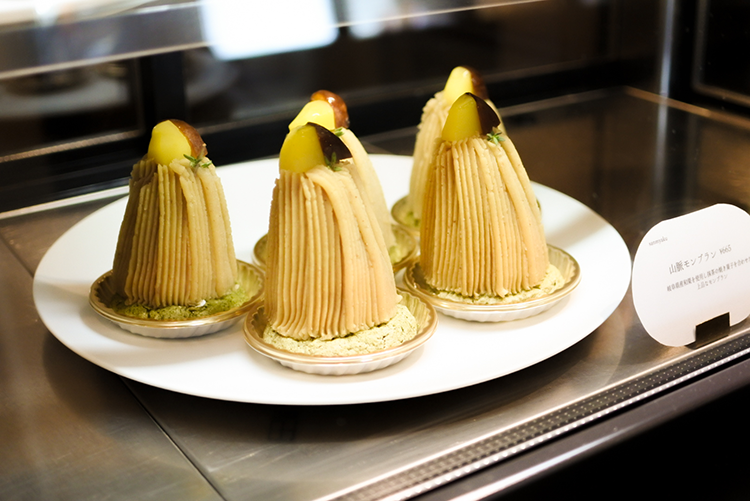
240, 30
385, 49
370, 19
45, 109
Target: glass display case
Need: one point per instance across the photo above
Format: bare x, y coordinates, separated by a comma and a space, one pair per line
626, 113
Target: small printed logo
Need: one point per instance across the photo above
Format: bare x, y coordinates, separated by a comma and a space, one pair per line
658, 241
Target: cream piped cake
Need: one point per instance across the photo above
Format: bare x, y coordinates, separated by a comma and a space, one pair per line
482, 238
461, 80
329, 110
175, 256
329, 276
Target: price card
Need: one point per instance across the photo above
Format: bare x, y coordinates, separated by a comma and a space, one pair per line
691, 269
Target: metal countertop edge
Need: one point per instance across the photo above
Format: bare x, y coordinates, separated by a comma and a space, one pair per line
490, 450
605, 434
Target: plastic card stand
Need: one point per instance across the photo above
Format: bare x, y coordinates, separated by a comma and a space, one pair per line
691, 270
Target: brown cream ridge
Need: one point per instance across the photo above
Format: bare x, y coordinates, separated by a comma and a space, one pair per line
482, 232
328, 270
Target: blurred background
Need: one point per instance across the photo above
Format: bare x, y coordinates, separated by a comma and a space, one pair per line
82, 82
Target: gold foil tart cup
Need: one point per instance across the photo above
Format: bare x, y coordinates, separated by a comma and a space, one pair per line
568, 266
256, 322
406, 244
403, 216
100, 296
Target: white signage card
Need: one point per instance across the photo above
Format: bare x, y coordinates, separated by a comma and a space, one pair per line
691, 269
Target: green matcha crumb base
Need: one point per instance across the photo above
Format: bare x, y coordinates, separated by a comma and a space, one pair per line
411, 220
553, 281
398, 330
175, 312
396, 253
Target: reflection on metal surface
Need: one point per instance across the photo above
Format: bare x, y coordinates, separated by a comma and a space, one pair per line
68, 202
471, 457
381, 12
69, 429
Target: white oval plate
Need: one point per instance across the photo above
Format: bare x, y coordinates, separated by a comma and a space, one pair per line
222, 366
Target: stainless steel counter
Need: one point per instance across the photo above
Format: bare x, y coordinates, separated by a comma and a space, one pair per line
71, 430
